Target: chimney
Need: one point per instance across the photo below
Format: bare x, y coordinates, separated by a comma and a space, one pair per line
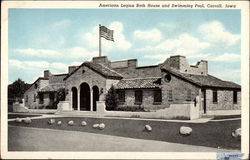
203, 66
101, 59
71, 69
132, 63
47, 74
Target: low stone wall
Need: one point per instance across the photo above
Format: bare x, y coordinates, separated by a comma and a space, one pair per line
224, 112
17, 107
101, 107
64, 106
175, 111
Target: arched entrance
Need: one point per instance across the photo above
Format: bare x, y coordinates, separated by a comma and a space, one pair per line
84, 97
74, 98
95, 96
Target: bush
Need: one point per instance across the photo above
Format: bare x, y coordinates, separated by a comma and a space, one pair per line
131, 108
135, 116
111, 100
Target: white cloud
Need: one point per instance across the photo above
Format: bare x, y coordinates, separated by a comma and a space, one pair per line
79, 52
15, 63
226, 57
59, 66
159, 57
227, 75
74, 52
153, 35
37, 52
184, 44
214, 31
60, 24
28, 64
91, 39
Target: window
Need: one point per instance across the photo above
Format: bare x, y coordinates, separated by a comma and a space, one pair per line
121, 96
167, 78
26, 98
215, 95
138, 97
188, 95
34, 97
41, 98
157, 96
235, 96
51, 96
170, 95
36, 86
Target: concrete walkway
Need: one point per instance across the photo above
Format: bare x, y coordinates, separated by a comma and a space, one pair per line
96, 115
36, 139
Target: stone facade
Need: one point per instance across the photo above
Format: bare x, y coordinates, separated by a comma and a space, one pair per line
225, 100
31, 95
178, 82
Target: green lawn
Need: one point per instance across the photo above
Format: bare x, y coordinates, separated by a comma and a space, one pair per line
211, 134
11, 116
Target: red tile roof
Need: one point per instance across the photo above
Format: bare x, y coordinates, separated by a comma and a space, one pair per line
138, 83
103, 70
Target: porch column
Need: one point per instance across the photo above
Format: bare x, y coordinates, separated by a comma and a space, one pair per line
78, 98
71, 99
91, 99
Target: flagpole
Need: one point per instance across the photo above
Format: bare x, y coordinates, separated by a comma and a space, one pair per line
100, 42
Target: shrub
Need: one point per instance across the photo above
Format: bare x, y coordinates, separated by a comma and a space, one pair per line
130, 108
135, 116
111, 100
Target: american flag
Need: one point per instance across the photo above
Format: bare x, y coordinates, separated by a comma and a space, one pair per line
106, 33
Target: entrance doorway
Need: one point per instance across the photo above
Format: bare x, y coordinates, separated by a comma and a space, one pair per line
84, 97
203, 91
74, 98
95, 96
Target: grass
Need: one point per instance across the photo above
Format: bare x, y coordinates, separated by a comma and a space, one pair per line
211, 134
12, 116
226, 116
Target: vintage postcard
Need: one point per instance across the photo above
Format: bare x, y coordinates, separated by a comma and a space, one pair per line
125, 80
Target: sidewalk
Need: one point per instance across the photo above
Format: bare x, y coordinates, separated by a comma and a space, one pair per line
93, 114
34, 139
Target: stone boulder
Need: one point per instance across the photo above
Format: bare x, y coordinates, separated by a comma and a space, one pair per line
186, 131
148, 128
59, 123
27, 120
18, 120
237, 133
51, 121
101, 126
83, 123
96, 126
71, 123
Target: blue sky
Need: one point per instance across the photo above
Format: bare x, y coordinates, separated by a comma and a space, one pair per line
53, 39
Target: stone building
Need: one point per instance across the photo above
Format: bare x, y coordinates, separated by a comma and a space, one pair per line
151, 87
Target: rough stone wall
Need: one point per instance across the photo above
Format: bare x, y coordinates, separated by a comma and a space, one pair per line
225, 100
33, 91
179, 94
110, 82
56, 79
147, 100
180, 63
90, 77
139, 72
179, 89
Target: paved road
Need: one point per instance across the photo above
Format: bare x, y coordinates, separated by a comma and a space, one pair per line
36, 139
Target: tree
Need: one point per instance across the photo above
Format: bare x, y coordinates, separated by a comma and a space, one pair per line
16, 89
111, 99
